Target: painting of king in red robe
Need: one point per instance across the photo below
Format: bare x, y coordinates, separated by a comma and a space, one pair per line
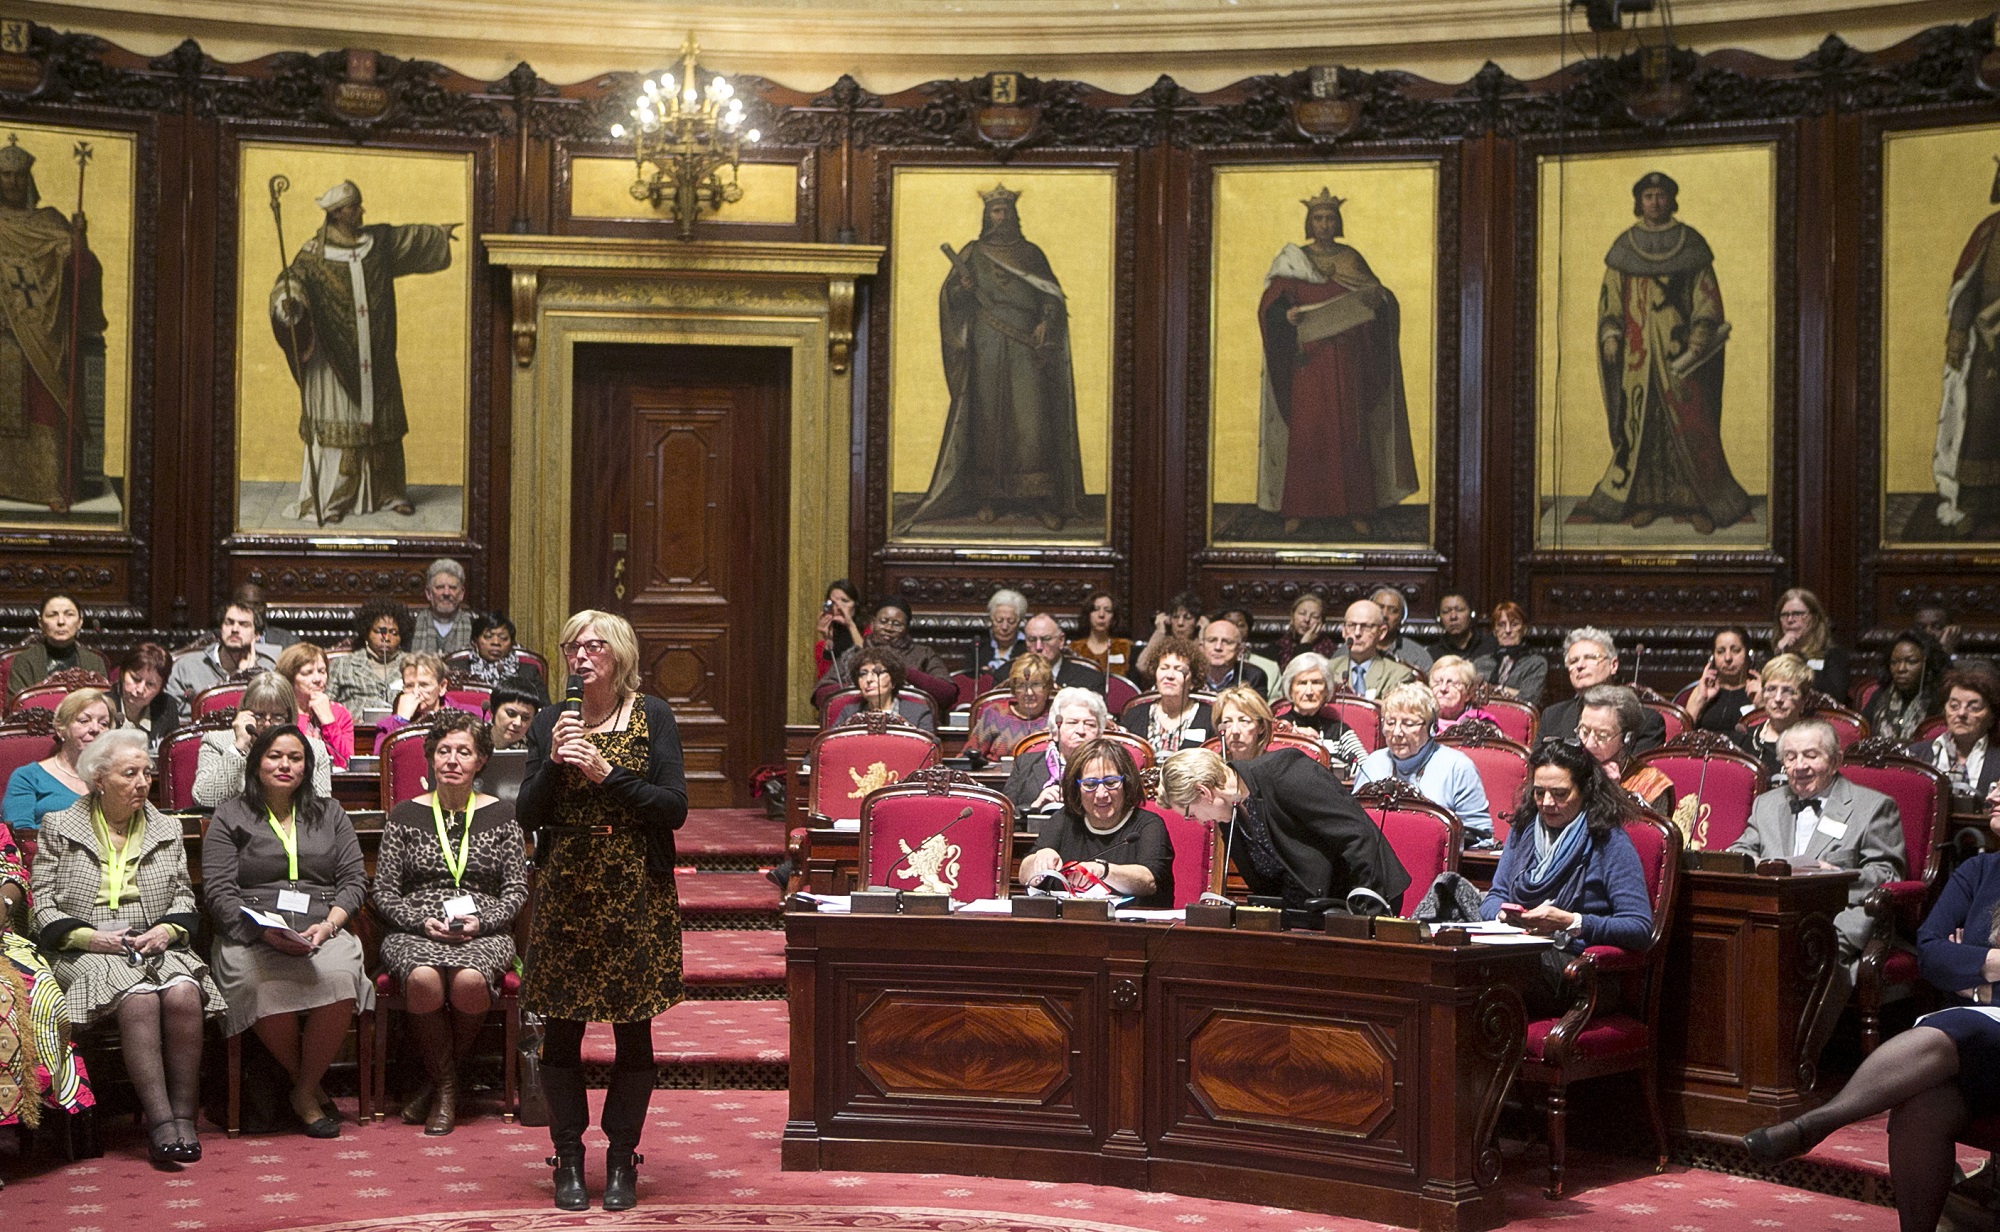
1333, 440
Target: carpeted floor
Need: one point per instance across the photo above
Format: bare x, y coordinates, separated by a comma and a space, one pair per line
712, 1162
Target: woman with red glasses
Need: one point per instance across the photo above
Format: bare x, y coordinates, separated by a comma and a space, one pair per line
604, 789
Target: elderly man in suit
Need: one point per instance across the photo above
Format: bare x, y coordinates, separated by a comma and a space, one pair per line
1361, 665
1821, 820
1591, 658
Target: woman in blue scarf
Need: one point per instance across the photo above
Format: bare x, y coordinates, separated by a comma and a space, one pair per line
1569, 871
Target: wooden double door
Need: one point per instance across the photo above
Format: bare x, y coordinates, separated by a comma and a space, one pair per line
679, 512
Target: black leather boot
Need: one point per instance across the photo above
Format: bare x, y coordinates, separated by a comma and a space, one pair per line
569, 1114
625, 1104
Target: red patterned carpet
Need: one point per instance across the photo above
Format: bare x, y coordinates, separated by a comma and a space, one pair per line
712, 1162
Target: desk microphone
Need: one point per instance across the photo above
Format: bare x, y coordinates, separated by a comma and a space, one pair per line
1212, 897
946, 829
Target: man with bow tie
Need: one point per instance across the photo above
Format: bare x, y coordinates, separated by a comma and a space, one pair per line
1821, 820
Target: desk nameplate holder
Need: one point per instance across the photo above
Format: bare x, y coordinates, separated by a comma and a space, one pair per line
1720, 861
876, 900
1379, 928
1049, 907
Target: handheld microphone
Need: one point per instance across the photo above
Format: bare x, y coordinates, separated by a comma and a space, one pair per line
573, 694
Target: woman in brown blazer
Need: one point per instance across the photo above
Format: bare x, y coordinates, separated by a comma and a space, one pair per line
113, 912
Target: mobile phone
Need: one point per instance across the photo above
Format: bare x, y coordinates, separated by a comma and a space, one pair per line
456, 926
1510, 913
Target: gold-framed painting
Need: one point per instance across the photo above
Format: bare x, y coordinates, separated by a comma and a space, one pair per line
1001, 330
1655, 371
1323, 328
1940, 322
67, 214
353, 335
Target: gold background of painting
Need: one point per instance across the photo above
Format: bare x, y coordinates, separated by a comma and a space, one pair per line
1728, 193
602, 188
1390, 218
108, 209
1934, 192
1071, 215
432, 310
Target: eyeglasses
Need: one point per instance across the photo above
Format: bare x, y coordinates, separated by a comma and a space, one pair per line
1600, 734
595, 647
1105, 784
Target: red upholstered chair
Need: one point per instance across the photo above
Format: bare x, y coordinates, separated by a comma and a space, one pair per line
1517, 720
1897, 908
1677, 720
1424, 836
1363, 714
1119, 692
471, 698
846, 763
937, 830
49, 693
1502, 764
405, 774
1715, 782
986, 701
1848, 725
219, 699
1139, 701
837, 706
39, 697
389, 999
7, 665
1284, 736
1198, 866
1142, 753
179, 758
968, 688
1863, 691
27, 736
1585, 1044
1930, 729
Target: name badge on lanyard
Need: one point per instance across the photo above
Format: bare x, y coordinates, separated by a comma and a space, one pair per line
293, 902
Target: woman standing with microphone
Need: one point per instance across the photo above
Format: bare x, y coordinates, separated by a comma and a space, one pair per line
604, 788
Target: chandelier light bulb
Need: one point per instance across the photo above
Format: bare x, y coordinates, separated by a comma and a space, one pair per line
618, 130
666, 83
752, 136
649, 87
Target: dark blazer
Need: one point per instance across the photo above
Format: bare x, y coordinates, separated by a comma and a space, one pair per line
657, 803
1481, 650
989, 658
1244, 673
1967, 903
1026, 780
1528, 677
1137, 720
1326, 842
1560, 719
1077, 674
1925, 751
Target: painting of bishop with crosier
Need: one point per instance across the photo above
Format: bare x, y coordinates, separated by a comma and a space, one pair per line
353, 402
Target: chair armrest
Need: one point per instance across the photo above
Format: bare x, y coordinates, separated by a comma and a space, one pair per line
1614, 958
1580, 976
1896, 903
798, 850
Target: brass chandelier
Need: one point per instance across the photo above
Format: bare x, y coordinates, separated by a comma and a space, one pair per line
688, 134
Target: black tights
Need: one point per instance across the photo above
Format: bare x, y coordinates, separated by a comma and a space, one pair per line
1913, 1078
562, 1043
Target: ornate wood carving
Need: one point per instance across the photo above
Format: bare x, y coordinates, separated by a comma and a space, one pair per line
1005, 1049
1261, 1070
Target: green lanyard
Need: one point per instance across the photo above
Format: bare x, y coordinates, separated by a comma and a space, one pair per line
457, 866
290, 840
116, 856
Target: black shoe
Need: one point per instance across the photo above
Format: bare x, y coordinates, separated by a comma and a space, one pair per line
165, 1152
621, 1179
1775, 1144
189, 1145
570, 1193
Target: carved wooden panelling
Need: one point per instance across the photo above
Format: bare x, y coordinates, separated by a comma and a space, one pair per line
1007, 1049
1256, 1069
685, 452
1703, 1019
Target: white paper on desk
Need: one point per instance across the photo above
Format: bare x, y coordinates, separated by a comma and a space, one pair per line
1521, 938
983, 906
267, 919
835, 904
1153, 914
851, 826
1480, 926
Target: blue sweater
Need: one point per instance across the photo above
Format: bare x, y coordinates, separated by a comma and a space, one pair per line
1613, 902
33, 793
1449, 778
1967, 902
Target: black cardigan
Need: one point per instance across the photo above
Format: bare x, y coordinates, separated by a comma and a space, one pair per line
657, 803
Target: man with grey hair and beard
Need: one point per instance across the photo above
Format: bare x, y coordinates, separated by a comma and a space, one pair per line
446, 628
333, 311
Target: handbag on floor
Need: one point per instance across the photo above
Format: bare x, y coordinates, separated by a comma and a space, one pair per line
534, 1103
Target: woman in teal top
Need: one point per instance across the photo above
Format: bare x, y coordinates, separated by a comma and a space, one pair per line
52, 784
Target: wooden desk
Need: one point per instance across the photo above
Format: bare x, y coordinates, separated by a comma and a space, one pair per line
1361, 1078
1749, 961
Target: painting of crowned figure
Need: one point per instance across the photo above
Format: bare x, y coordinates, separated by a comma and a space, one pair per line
1000, 354
1322, 388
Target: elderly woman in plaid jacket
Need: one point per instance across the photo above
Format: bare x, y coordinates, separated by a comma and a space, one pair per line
114, 911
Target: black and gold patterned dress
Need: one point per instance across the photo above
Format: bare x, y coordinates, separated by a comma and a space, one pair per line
605, 939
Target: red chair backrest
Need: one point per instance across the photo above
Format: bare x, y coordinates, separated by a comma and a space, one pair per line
1283, 738
1517, 720
39, 697
405, 772
218, 699
1119, 692
1424, 836
1141, 700
179, 758
849, 762
837, 707
1673, 717
1715, 784
1142, 753
1197, 854
1363, 714
986, 701
1658, 843
1864, 692
968, 688
1849, 727
1922, 794
1931, 728
1503, 772
915, 836
25, 742
7, 665
471, 698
